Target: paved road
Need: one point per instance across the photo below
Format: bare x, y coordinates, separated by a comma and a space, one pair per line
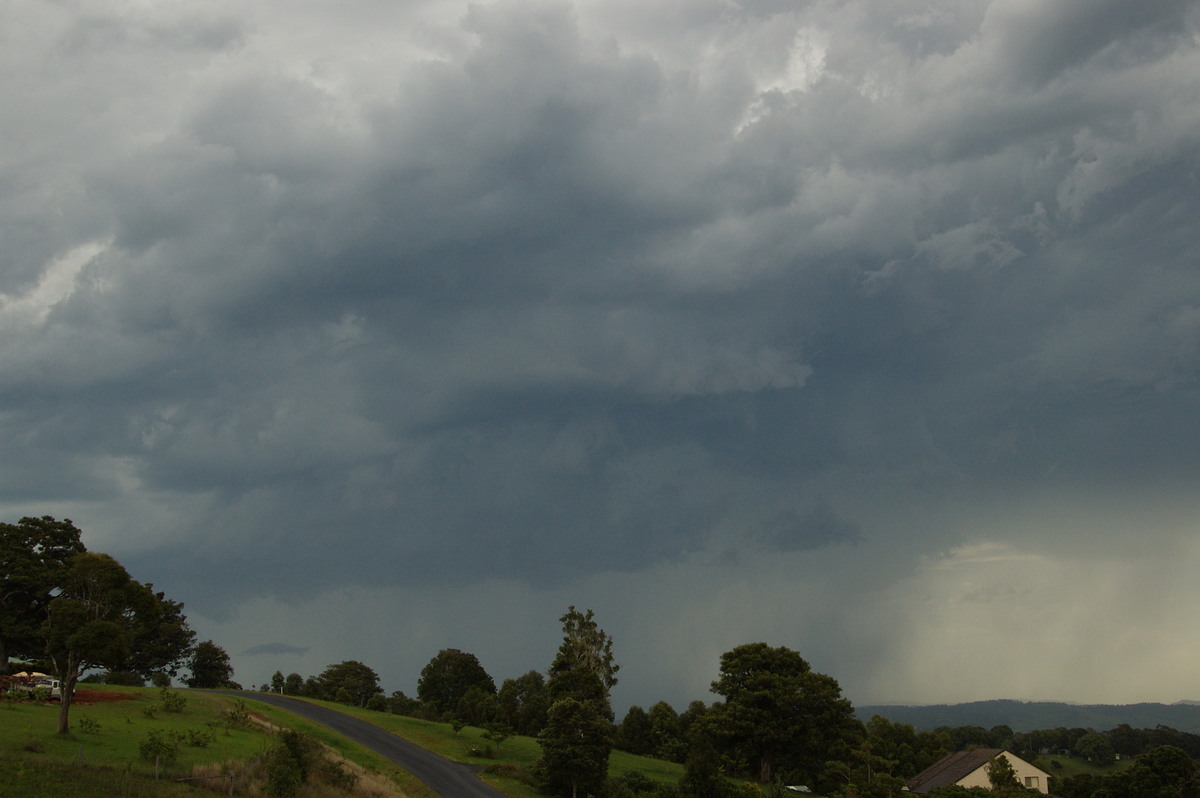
451, 779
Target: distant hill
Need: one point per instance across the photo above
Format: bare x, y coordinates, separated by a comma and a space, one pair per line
1025, 716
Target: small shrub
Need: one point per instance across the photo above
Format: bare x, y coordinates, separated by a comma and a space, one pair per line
335, 774
160, 679
34, 746
514, 772
89, 725
150, 711
289, 763
497, 733
171, 702
636, 781
237, 715
159, 746
199, 738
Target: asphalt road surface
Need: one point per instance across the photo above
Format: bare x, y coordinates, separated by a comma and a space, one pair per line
450, 779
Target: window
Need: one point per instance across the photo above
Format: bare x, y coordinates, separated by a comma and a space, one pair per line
1032, 781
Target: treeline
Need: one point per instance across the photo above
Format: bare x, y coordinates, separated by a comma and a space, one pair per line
779, 724
1029, 715
1098, 747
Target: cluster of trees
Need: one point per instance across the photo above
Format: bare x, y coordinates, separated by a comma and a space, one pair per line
1162, 772
350, 682
68, 611
777, 722
779, 719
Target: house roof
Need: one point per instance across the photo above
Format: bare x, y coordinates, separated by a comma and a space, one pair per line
949, 770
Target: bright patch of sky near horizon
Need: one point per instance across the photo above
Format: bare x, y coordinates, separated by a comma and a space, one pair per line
374, 328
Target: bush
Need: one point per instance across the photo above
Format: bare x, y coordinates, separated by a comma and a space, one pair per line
237, 715
333, 773
290, 763
171, 702
199, 738
634, 784
514, 772
283, 774
89, 725
159, 747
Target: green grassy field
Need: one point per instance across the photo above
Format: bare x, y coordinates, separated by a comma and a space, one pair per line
101, 756
1062, 767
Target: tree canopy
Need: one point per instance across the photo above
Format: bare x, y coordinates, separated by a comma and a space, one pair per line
585, 646
34, 554
350, 682
210, 666
449, 677
778, 712
96, 620
575, 747
583, 668
524, 702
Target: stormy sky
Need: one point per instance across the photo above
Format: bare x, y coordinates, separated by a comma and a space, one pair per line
372, 328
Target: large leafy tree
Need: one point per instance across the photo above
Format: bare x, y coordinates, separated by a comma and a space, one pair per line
95, 621
524, 702
34, 554
449, 677
163, 641
779, 713
210, 666
633, 733
575, 747
585, 647
666, 736
583, 668
577, 739
352, 680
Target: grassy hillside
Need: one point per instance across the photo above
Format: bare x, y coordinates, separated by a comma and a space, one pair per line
103, 754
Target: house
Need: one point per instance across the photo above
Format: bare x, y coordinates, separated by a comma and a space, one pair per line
969, 769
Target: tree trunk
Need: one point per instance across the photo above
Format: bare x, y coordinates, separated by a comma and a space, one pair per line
66, 688
764, 771
3, 657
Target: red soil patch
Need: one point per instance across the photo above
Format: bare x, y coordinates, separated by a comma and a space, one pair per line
98, 696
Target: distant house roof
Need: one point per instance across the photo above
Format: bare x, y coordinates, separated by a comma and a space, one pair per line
952, 769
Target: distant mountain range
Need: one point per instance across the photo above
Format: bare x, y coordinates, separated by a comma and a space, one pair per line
1025, 716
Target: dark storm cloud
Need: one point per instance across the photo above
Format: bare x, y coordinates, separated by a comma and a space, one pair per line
270, 649
547, 293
